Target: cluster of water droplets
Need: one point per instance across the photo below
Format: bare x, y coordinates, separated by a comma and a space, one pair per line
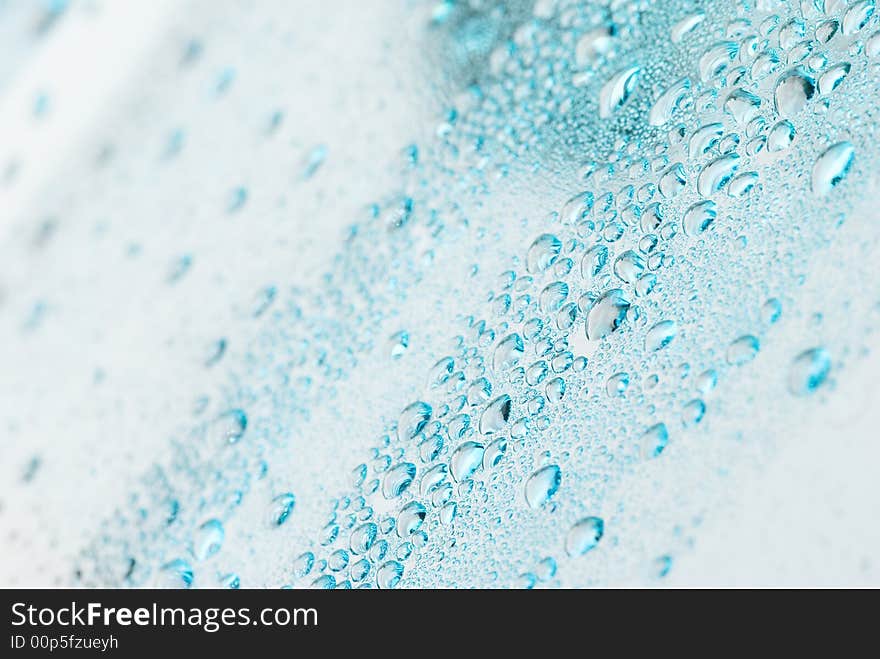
675, 145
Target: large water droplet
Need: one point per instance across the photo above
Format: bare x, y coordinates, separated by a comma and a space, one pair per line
832, 167
584, 536
716, 174
543, 253
832, 77
413, 418
699, 217
410, 519
743, 350
716, 59
466, 459
617, 91
660, 335
362, 538
653, 441
542, 485
857, 16
808, 371
668, 102
780, 136
389, 575
398, 479
743, 106
628, 266
793, 89
606, 314
495, 415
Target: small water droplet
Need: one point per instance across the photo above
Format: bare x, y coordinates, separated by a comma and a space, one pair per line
280, 508
584, 536
743, 350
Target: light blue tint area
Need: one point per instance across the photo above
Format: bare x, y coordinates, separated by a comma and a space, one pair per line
439, 294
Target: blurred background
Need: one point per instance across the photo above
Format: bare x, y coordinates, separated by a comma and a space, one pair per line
241, 242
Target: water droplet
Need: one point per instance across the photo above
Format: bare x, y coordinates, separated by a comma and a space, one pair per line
653, 441
685, 26
716, 174
606, 314
593, 261
704, 138
466, 459
555, 390
707, 380
584, 536
793, 89
743, 184
743, 106
229, 427
324, 582
495, 415
413, 418
553, 296
629, 266
398, 479
743, 350
717, 58
543, 253
398, 343
389, 575
771, 310
693, 412
857, 16
808, 371
576, 208
303, 564
617, 91
833, 77
231, 581
542, 485
672, 181
175, 574
780, 136
410, 519
338, 560
699, 217
617, 384
660, 335
669, 102
832, 167
362, 538
280, 508
208, 539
